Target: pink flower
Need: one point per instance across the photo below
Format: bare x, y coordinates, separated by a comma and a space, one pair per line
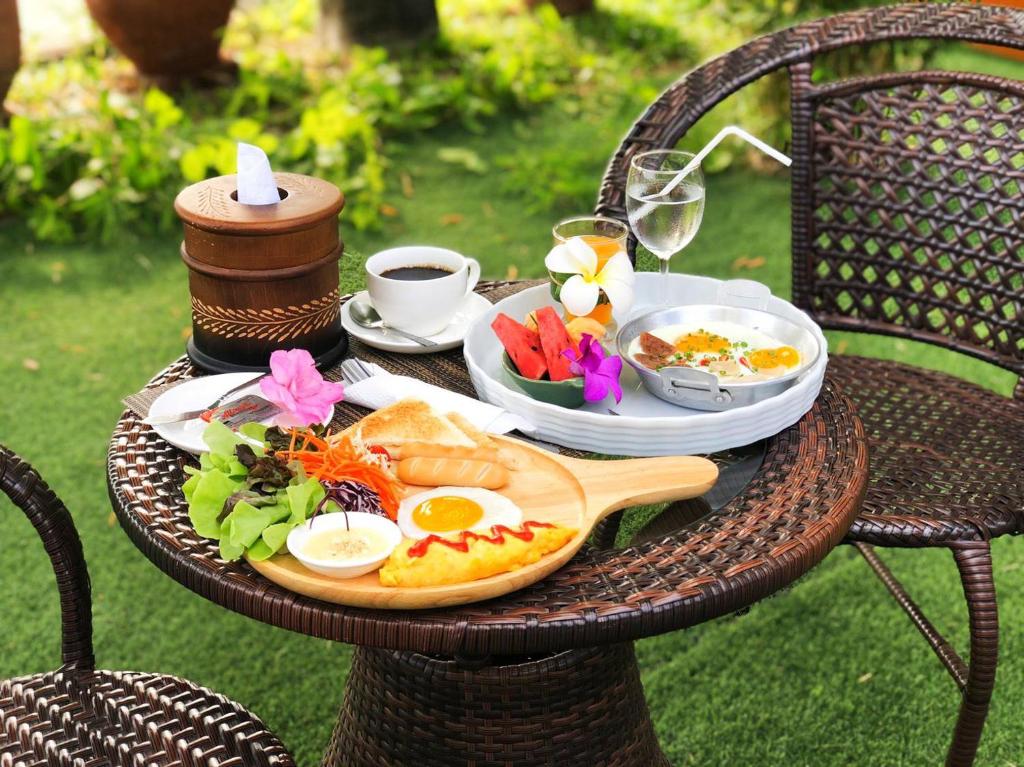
296, 386
600, 372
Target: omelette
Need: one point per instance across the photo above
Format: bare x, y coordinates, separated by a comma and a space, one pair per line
467, 556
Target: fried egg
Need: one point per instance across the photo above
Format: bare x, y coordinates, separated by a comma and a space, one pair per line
453, 509
727, 349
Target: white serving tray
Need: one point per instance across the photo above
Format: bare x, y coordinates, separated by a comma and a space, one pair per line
645, 425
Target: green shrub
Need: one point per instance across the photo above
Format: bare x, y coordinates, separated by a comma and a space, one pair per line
84, 159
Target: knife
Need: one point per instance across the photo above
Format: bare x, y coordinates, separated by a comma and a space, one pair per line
233, 414
188, 415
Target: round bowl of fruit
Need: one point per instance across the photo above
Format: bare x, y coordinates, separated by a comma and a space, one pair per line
567, 393
542, 354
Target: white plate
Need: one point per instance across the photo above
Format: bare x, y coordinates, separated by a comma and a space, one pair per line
645, 425
192, 395
472, 307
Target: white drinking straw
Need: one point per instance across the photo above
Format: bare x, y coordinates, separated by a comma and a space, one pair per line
729, 130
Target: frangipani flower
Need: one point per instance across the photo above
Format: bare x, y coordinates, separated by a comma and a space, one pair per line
580, 293
600, 372
296, 386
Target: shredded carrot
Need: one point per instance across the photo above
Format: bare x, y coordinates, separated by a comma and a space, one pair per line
338, 462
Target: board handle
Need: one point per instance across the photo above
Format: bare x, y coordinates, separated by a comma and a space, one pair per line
613, 485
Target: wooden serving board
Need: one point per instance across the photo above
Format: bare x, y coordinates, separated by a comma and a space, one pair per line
548, 488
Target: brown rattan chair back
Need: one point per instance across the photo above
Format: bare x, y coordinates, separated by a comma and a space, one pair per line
907, 204
908, 208
51, 519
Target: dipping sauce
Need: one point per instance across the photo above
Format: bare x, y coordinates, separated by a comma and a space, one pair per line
342, 545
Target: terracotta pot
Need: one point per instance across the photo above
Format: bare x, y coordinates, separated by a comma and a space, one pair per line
565, 7
10, 47
169, 41
262, 277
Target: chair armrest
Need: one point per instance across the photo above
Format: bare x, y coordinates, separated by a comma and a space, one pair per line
52, 521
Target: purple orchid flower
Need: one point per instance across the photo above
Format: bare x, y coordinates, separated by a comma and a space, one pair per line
600, 371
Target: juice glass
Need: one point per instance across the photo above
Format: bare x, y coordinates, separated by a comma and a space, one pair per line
607, 237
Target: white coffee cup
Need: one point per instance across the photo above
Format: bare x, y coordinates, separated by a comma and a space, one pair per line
424, 307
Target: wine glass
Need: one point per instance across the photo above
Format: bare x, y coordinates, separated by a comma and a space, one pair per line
664, 209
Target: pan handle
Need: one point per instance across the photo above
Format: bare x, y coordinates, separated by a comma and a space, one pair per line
683, 383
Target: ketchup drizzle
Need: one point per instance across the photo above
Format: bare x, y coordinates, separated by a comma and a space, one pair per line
496, 537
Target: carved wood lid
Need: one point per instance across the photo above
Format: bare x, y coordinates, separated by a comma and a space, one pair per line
306, 201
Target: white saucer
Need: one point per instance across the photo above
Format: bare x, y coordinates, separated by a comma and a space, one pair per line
192, 395
472, 307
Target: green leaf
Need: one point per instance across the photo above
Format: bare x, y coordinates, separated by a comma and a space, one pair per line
208, 496
279, 512
275, 536
244, 129
189, 487
465, 158
229, 552
245, 524
304, 498
194, 163
260, 551
220, 439
254, 430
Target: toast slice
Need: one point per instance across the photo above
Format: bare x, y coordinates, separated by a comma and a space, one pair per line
408, 421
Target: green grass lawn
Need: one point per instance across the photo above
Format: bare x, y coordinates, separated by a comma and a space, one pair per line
827, 673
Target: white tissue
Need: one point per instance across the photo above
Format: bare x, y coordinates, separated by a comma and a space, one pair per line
256, 185
383, 389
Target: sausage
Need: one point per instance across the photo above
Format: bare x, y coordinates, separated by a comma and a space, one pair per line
650, 361
434, 472
430, 450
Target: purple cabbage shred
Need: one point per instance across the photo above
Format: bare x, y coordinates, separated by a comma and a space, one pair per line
351, 496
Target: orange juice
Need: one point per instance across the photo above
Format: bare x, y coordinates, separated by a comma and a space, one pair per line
605, 247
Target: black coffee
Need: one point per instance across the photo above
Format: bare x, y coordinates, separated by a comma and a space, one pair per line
416, 273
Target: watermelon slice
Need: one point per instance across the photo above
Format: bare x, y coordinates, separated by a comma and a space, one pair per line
553, 340
522, 345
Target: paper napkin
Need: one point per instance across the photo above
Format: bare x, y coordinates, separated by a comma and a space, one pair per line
384, 388
256, 184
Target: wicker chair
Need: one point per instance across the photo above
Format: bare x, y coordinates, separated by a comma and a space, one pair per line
80, 716
907, 221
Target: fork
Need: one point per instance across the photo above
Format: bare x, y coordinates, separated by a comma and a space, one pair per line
354, 370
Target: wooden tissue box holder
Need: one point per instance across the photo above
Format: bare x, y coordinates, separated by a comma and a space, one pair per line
262, 277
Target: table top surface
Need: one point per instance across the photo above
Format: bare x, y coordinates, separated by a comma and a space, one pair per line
796, 507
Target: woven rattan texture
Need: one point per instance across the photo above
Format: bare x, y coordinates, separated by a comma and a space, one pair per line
797, 507
688, 99
913, 214
580, 707
119, 719
78, 717
946, 455
906, 220
52, 521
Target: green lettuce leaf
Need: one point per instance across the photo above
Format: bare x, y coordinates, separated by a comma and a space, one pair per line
220, 439
208, 496
244, 525
303, 499
189, 487
230, 552
254, 430
279, 512
259, 551
273, 539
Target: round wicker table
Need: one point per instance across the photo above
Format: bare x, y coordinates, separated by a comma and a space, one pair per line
546, 674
